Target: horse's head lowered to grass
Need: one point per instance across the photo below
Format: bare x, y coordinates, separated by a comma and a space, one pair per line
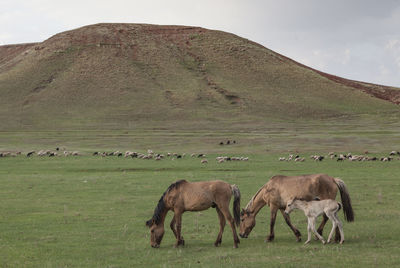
156, 223
247, 223
156, 233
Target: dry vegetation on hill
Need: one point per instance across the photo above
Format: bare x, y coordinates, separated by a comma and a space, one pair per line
129, 76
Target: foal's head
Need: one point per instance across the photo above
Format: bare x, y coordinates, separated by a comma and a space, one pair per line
156, 233
247, 223
292, 204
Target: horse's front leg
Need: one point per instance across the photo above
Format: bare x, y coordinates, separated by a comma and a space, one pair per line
172, 225
178, 225
294, 229
271, 235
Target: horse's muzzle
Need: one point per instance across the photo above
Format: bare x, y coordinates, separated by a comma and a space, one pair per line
155, 246
243, 235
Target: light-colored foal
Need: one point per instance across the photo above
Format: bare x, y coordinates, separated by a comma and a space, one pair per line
313, 209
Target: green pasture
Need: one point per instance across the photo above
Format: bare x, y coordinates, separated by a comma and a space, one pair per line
90, 211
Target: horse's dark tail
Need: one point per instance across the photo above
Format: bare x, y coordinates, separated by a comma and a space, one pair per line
236, 203
346, 200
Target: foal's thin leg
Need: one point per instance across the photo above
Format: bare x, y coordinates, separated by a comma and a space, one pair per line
271, 236
294, 229
309, 230
340, 228
334, 225
179, 238
228, 217
340, 225
222, 223
315, 231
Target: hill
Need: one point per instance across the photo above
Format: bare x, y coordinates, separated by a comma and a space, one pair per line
130, 76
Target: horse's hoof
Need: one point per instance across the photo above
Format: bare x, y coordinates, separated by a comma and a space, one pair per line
341, 242
217, 244
235, 246
298, 239
308, 241
269, 239
323, 242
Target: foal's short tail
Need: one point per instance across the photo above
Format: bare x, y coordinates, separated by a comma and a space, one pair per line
346, 200
236, 203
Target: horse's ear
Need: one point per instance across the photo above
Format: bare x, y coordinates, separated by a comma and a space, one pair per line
149, 223
242, 212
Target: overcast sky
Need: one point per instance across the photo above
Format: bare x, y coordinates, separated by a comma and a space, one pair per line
356, 39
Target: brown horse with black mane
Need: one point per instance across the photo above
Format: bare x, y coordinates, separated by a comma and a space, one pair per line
184, 196
280, 189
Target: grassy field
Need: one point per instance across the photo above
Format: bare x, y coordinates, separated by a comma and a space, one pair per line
351, 135
109, 87
90, 212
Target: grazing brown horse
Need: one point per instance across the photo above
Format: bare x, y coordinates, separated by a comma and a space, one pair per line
280, 189
184, 196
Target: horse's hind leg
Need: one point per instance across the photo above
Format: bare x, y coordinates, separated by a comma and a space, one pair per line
222, 223
322, 225
228, 217
294, 229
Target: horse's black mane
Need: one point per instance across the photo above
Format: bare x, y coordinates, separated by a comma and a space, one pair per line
161, 204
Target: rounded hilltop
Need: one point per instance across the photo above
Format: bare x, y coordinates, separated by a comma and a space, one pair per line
115, 75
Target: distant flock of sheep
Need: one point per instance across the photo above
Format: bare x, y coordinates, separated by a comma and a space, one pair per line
128, 154
220, 159
341, 157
